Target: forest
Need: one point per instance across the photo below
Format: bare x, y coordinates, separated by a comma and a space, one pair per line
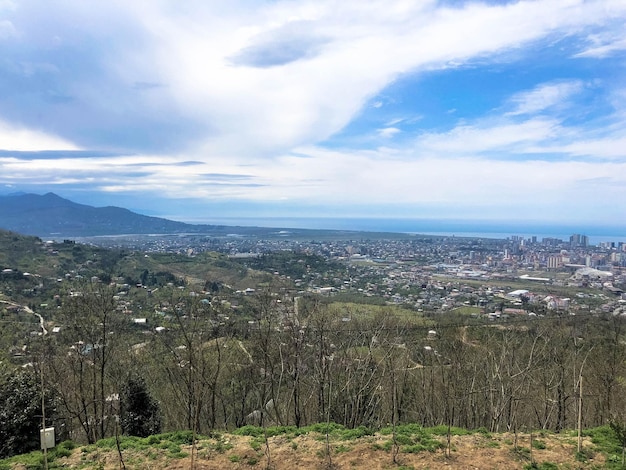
129, 343
305, 360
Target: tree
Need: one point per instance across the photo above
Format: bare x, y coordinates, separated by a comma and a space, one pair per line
86, 373
619, 428
20, 413
140, 414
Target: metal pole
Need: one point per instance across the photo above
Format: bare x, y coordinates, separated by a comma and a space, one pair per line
43, 391
580, 412
43, 417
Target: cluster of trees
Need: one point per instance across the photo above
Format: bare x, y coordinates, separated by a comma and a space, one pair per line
300, 362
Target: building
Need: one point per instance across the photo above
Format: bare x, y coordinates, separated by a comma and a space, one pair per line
577, 240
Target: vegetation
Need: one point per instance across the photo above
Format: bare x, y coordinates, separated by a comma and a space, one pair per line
20, 413
306, 447
139, 411
206, 356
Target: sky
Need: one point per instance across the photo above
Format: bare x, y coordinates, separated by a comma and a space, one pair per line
418, 109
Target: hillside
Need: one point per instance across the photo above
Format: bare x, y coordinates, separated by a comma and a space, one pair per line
290, 448
50, 215
49, 261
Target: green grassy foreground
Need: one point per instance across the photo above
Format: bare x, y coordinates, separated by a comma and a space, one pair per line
246, 447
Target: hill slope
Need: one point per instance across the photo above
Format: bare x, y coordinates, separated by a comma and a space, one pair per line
50, 214
301, 448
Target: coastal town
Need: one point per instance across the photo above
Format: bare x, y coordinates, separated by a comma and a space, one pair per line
496, 278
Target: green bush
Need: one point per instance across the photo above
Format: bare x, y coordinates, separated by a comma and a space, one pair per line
69, 445
60, 452
604, 438
541, 466
181, 437
429, 446
403, 429
254, 431
585, 454
537, 444
404, 440
442, 430
324, 428
20, 413
256, 443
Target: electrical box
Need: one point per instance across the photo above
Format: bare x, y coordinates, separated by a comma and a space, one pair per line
47, 438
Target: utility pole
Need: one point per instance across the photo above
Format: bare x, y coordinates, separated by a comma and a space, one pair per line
43, 416
44, 332
580, 411
43, 436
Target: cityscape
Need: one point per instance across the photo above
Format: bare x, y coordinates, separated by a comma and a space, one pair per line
391, 269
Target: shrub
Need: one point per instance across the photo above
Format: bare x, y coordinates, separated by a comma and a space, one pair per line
20, 414
139, 412
537, 444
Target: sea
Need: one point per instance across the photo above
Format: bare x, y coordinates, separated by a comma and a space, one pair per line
461, 228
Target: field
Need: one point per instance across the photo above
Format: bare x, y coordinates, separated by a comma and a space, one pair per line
340, 448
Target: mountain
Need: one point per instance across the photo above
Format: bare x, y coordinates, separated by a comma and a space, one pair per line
51, 215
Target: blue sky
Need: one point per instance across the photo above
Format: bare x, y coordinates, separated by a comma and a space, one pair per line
493, 110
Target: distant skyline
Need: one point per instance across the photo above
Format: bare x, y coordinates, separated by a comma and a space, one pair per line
511, 111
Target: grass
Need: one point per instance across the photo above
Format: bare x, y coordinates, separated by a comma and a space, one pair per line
35, 460
341, 448
168, 443
413, 438
467, 310
364, 312
336, 431
537, 444
541, 466
410, 439
256, 443
605, 441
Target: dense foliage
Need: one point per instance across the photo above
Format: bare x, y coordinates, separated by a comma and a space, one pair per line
139, 412
20, 413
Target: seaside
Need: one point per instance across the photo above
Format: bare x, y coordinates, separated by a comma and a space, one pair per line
459, 228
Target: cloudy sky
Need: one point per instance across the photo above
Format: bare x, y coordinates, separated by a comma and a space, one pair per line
491, 110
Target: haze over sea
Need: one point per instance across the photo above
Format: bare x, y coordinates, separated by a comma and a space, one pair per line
459, 228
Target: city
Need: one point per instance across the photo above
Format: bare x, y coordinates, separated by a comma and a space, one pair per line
431, 274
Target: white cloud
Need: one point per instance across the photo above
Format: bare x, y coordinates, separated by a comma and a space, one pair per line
604, 50
471, 185
605, 43
487, 137
610, 147
23, 139
224, 67
306, 98
545, 96
387, 178
388, 132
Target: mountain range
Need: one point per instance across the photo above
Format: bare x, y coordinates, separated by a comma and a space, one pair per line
53, 217
50, 215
